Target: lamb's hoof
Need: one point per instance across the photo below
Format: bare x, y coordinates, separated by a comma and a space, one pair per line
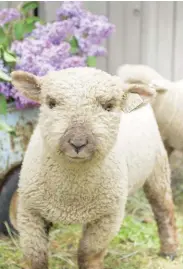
170, 256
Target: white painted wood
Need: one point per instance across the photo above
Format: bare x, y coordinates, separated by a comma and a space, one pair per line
149, 34
14, 4
116, 41
132, 17
178, 45
48, 10
3, 4
165, 38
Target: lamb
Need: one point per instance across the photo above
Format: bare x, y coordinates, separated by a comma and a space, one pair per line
167, 104
85, 157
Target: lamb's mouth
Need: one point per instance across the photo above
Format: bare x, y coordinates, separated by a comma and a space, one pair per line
77, 158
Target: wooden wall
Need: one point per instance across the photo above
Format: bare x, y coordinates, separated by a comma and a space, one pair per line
147, 32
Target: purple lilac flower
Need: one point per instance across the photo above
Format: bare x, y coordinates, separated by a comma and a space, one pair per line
90, 29
41, 31
69, 9
8, 14
73, 61
39, 59
56, 54
5, 87
97, 51
60, 31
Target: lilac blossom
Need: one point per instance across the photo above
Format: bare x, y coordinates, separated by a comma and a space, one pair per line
8, 14
90, 30
8, 91
47, 47
5, 87
69, 9
56, 32
73, 61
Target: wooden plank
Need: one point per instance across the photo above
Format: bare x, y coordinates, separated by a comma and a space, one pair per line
48, 10
132, 30
13, 4
149, 34
116, 41
178, 49
3, 4
165, 37
100, 8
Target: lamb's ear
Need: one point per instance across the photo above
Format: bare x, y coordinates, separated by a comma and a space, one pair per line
27, 84
136, 95
160, 85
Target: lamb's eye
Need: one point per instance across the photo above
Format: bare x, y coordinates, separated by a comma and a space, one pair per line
51, 103
108, 106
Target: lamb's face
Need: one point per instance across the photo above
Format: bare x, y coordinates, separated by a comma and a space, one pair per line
80, 113
80, 110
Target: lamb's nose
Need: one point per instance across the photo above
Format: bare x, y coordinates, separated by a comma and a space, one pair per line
78, 144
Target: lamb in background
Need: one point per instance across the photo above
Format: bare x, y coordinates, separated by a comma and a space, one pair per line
167, 104
85, 157
168, 110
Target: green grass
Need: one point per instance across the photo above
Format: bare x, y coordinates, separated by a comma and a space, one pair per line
135, 247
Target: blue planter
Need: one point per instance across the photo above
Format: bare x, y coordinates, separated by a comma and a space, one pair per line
12, 148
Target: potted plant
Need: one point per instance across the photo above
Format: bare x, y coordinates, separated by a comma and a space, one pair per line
73, 39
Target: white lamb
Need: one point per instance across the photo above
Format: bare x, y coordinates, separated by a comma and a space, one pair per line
167, 105
85, 157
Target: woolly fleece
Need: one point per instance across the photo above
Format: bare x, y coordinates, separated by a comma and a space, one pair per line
129, 154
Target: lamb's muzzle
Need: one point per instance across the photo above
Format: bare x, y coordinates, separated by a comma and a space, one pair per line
78, 143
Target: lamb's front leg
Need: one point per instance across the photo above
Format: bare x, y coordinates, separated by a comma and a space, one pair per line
95, 240
33, 232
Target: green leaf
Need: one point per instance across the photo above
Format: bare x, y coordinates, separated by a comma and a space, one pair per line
91, 61
30, 24
6, 26
29, 27
4, 76
19, 30
73, 42
32, 19
6, 128
74, 45
8, 57
24, 27
3, 38
28, 6
11, 52
74, 50
3, 105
